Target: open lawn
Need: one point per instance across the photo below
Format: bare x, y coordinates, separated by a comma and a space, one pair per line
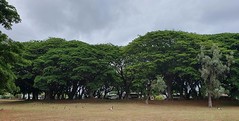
131, 110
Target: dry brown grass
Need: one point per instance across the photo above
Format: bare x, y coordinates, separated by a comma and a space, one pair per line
99, 110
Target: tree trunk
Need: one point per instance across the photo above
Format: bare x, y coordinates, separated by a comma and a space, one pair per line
105, 92
91, 93
127, 91
120, 92
82, 93
209, 100
48, 95
28, 97
147, 97
71, 96
23, 96
148, 91
199, 93
35, 95
169, 83
73, 91
186, 91
62, 96
147, 100
181, 90
58, 96
169, 89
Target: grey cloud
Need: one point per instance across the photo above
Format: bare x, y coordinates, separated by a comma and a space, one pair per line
120, 21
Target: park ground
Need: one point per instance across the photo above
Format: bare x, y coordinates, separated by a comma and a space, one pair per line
123, 110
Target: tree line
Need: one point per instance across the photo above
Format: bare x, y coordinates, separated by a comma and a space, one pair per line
73, 68
173, 63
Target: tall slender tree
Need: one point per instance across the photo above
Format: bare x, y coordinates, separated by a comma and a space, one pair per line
212, 69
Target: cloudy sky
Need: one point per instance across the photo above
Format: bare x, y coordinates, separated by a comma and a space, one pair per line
120, 21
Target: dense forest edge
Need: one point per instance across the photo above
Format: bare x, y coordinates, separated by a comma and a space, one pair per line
158, 65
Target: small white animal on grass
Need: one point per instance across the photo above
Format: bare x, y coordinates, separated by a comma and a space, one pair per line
111, 108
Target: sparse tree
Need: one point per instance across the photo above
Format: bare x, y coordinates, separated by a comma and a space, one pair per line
212, 69
158, 85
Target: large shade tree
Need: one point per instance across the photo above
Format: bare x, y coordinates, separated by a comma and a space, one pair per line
10, 54
9, 50
173, 54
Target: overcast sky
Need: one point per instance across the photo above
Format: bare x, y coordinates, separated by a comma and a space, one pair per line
120, 21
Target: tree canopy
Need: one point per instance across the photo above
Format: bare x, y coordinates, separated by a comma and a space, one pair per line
10, 54
8, 15
73, 69
10, 51
62, 69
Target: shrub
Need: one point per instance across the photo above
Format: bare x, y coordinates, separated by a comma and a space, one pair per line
7, 96
159, 97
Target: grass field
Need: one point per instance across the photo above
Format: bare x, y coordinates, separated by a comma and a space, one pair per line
99, 110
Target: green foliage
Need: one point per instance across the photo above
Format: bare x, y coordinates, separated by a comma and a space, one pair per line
7, 96
212, 68
159, 97
10, 54
158, 85
62, 67
171, 54
8, 14
10, 51
220, 91
58, 65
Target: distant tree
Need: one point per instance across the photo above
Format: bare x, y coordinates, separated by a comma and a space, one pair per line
8, 15
212, 69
